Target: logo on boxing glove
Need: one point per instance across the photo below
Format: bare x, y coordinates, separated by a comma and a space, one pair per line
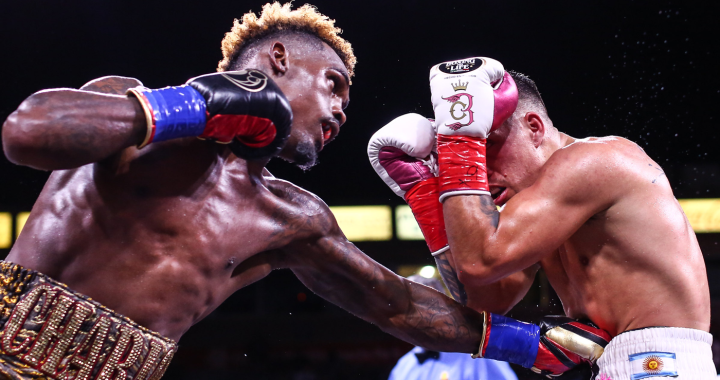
248, 80
461, 66
464, 110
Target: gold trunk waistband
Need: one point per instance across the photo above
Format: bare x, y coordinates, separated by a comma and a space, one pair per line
48, 331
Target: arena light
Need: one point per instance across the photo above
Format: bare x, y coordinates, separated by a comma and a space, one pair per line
364, 223
406, 228
427, 271
703, 214
20, 220
374, 223
5, 230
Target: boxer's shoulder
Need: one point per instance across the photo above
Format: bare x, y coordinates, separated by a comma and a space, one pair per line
608, 155
300, 211
596, 169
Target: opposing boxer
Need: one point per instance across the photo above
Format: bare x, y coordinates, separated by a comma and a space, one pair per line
597, 214
159, 227
403, 154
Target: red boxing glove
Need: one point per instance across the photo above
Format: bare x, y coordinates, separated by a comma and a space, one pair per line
424, 202
565, 343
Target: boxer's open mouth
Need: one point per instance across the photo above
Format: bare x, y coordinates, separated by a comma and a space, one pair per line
329, 131
499, 195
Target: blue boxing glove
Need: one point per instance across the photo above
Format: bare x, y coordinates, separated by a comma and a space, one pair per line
245, 109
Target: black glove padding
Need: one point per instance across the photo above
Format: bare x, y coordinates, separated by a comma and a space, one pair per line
247, 109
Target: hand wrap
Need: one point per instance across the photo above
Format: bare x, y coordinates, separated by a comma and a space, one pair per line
461, 165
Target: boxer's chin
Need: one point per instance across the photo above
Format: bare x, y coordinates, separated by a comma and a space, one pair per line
305, 155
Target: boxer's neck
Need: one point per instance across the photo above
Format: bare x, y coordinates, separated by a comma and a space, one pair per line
254, 169
555, 140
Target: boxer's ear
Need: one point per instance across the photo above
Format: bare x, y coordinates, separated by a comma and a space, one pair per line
536, 127
278, 56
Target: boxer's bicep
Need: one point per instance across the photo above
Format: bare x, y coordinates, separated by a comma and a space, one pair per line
488, 246
542, 217
65, 128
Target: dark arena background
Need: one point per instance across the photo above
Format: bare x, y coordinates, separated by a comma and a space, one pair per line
642, 70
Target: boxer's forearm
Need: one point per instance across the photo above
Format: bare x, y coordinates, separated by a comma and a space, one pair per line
498, 297
450, 277
339, 272
63, 128
471, 222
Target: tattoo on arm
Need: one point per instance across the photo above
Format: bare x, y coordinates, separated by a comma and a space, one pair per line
335, 269
449, 276
487, 206
662, 173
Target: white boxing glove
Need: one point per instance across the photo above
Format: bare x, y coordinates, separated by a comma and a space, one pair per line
400, 152
471, 98
403, 155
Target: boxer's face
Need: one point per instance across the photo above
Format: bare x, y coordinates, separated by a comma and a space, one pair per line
513, 160
318, 88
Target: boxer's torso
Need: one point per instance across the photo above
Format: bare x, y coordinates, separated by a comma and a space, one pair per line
163, 235
637, 262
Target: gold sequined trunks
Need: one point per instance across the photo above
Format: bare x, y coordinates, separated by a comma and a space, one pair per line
48, 331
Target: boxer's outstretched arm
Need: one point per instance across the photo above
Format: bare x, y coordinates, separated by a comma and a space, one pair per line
66, 128
488, 245
338, 271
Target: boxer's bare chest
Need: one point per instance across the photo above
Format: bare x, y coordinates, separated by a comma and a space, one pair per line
206, 218
574, 267
182, 245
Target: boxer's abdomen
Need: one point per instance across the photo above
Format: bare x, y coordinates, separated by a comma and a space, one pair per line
164, 261
636, 264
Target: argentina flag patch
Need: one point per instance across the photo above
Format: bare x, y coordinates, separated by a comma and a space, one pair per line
648, 364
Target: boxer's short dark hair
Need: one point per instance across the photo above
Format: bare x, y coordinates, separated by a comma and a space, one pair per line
276, 20
528, 93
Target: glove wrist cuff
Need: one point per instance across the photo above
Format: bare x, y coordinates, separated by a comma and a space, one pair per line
509, 340
427, 209
171, 112
462, 166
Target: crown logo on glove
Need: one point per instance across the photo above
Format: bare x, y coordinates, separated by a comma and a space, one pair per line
459, 86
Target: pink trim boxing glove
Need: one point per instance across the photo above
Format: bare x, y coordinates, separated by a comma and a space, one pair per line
471, 98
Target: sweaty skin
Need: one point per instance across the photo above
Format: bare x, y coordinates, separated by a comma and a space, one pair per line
165, 234
598, 215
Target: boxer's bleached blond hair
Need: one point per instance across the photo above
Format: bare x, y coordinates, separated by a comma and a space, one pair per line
279, 18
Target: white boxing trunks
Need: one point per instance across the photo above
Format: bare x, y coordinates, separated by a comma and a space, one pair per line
658, 353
